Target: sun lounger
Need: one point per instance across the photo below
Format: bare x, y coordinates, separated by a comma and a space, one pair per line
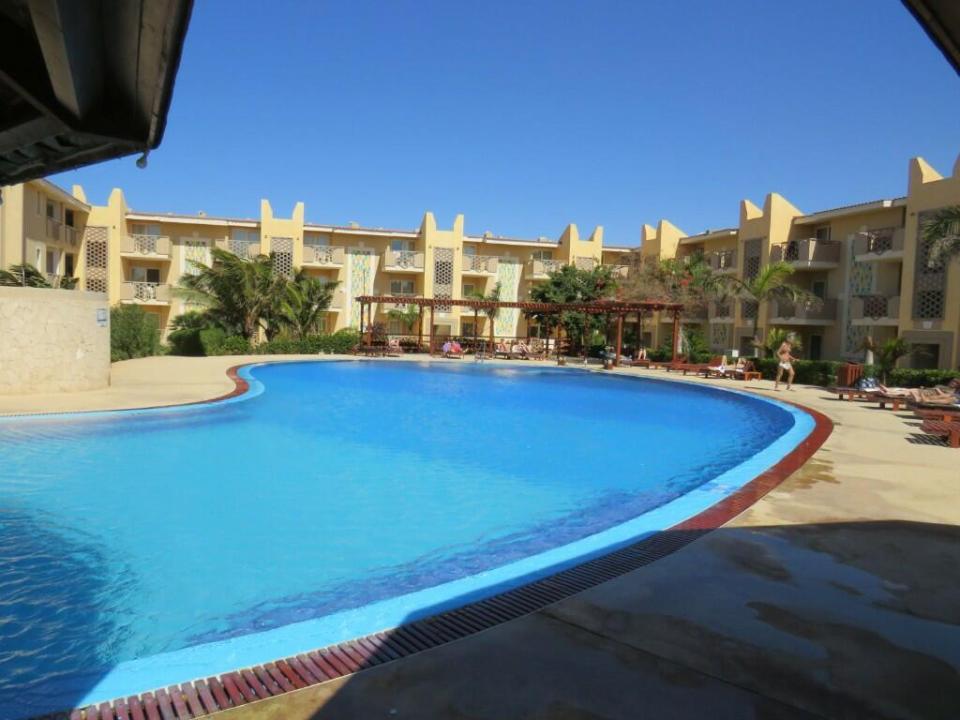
851, 393
393, 348
945, 414
745, 371
948, 430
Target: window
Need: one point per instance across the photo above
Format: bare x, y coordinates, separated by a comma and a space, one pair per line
469, 249
401, 287
317, 240
143, 229
819, 288
68, 265
401, 245
142, 274
394, 327
51, 209
51, 262
542, 255
68, 217
816, 347
467, 328
469, 289
925, 356
245, 235
822, 233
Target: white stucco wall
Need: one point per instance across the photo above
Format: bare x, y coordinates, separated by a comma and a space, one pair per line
53, 340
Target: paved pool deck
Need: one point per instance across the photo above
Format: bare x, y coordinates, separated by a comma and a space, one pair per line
836, 595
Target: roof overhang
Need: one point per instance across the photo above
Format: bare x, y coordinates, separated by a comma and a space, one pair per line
941, 21
83, 81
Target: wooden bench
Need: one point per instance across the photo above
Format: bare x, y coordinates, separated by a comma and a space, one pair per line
949, 430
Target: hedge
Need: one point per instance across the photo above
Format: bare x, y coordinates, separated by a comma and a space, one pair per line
133, 333
824, 372
216, 342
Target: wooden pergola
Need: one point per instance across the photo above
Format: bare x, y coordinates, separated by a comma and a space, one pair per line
618, 308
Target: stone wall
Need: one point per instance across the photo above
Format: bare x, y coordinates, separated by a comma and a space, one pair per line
53, 340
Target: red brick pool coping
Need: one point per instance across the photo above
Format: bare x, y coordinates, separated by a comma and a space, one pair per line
240, 687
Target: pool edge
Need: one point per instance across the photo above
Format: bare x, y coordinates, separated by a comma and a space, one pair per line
243, 686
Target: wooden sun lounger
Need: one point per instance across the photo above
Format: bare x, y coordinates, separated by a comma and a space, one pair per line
945, 414
850, 393
896, 402
949, 430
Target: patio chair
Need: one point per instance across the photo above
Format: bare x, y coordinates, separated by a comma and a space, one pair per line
940, 428
745, 370
393, 348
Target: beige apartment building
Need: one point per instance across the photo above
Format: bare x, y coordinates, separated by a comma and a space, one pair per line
867, 261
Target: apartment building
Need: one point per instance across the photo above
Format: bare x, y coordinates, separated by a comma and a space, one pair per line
140, 257
868, 262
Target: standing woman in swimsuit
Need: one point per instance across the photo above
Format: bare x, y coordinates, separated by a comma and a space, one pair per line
786, 361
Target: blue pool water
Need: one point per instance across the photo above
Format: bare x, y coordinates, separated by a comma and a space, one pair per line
133, 543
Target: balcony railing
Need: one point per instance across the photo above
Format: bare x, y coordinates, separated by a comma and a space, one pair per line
543, 268
481, 264
879, 243
619, 271
400, 303
723, 261
403, 260
721, 310
323, 255
144, 292
875, 307
147, 245
53, 228
786, 311
70, 235
247, 249
807, 251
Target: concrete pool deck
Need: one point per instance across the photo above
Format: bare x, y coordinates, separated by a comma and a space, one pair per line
835, 595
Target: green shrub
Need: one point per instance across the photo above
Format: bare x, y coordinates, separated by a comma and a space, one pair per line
134, 333
184, 339
341, 342
808, 372
909, 377
234, 345
211, 339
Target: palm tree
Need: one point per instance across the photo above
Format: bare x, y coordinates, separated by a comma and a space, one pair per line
305, 300
407, 317
240, 295
770, 283
25, 275
490, 312
889, 353
943, 232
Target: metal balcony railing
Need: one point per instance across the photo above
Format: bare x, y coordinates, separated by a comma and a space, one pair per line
875, 307
806, 250
328, 255
879, 241
485, 264
144, 292
147, 245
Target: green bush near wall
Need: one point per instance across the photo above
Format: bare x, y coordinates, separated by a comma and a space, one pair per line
134, 333
824, 373
908, 377
215, 341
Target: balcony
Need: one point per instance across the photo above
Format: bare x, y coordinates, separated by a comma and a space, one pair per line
723, 261
480, 265
880, 245
807, 254
70, 236
875, 310
246, 249
338, 302
721, 312
328, 256
155, 247
54, 228
541, 269
584, 263
784, 312
144, 293
400, 304
618, 271
403, 261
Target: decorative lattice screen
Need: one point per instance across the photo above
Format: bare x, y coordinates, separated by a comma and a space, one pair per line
720, 336
929, 283
751, 258
95, 241
749, 309
443, 276
241, 247
861, 282
282, 249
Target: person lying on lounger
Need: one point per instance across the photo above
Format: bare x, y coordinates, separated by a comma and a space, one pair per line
939, 395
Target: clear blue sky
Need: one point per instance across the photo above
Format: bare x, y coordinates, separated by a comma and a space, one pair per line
525, 116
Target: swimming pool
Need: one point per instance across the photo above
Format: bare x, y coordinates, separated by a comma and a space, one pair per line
333, 499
